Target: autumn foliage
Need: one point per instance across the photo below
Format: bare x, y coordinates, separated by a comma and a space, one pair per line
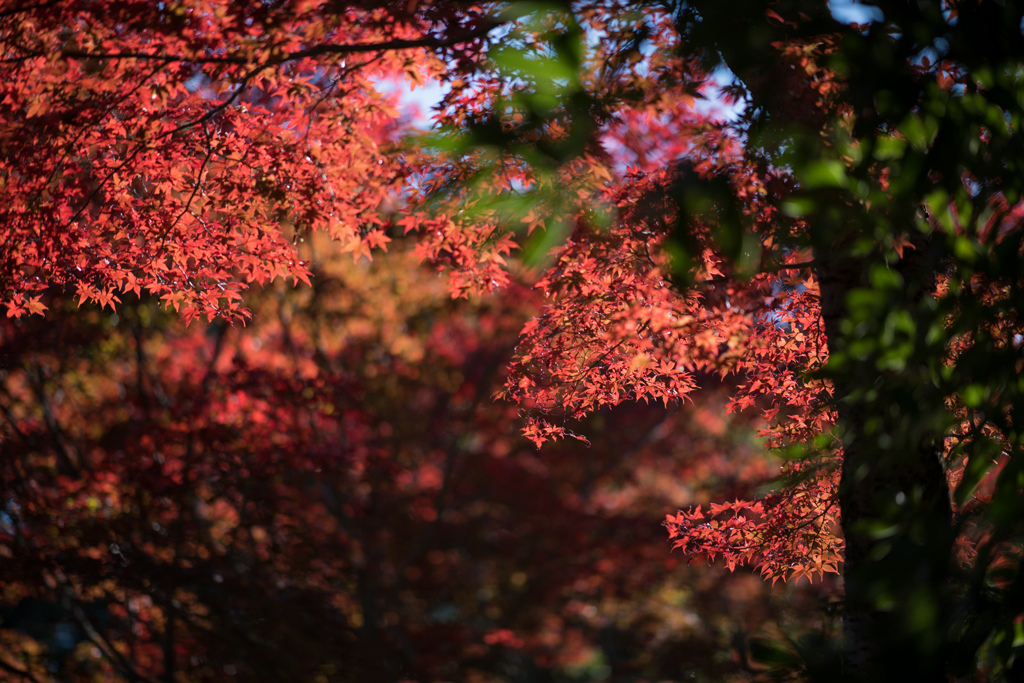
183, 150
775, 291
330, 491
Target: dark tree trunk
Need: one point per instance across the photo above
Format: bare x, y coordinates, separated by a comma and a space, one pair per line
893, 493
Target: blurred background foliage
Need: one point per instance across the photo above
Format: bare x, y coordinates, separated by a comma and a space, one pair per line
332, 494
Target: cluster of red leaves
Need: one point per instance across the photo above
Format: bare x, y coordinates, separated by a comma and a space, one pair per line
789, 535
495, 197
182, 150
613, 331
616, 329
980, 443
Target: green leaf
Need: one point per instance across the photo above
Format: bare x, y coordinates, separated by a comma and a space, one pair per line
823, 174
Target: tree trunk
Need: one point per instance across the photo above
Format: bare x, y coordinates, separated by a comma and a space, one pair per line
894, 497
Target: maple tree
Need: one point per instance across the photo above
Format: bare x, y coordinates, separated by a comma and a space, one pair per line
845, 249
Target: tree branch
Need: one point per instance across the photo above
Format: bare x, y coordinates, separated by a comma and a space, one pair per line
28, 8
315, 51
